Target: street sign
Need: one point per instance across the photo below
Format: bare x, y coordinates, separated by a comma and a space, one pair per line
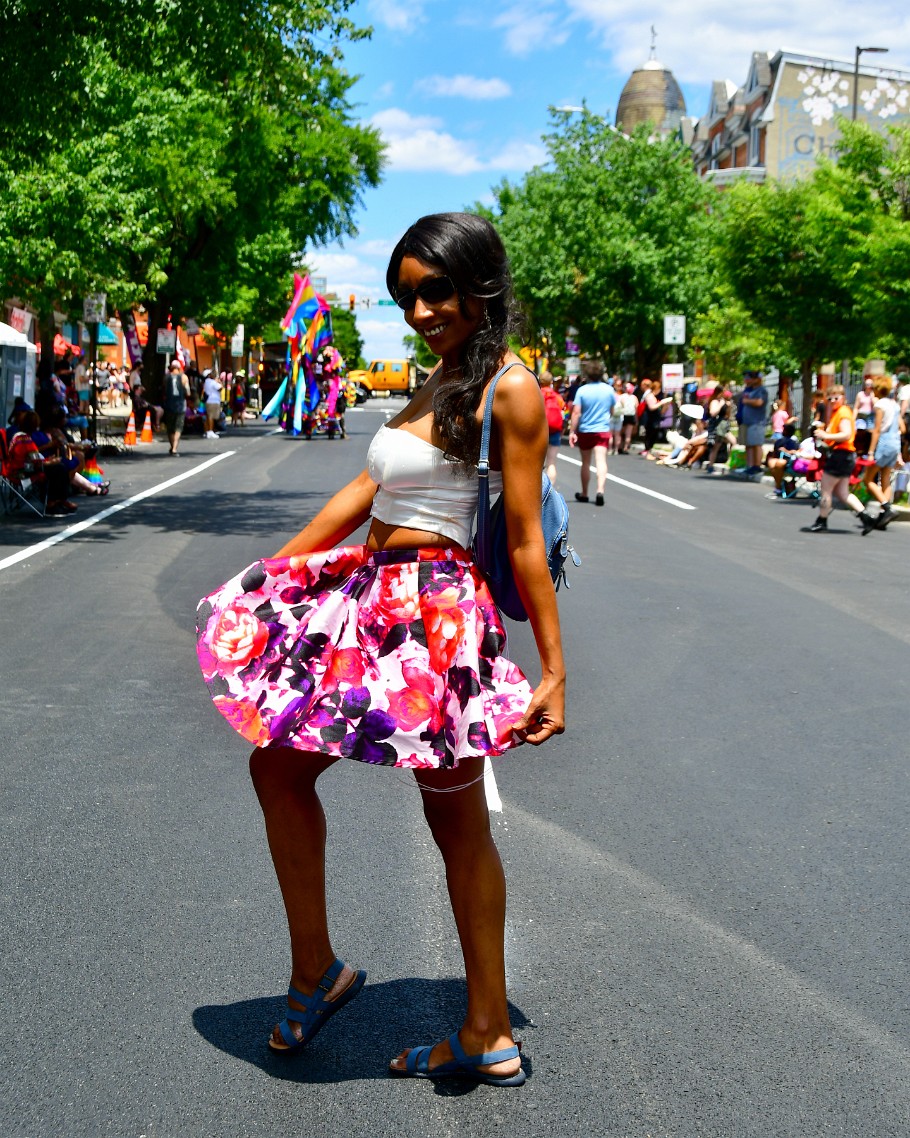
386, 303
167, 341
674, 329
573, 366
192, 328
94, 308
237, 341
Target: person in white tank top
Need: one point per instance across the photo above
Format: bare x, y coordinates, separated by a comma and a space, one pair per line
450, 277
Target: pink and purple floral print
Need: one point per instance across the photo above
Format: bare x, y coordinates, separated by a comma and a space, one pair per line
391, 658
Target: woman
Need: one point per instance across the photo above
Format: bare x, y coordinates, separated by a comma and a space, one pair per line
391, 653
653, 415
61, 451
238, 399
884, 449
589, 427
720, 424
555, 410
839, 464
617, 417
629, 406
864, 414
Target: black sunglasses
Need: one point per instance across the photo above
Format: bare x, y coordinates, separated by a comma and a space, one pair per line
433, 291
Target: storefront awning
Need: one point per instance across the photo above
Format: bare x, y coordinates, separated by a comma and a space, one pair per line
105, 335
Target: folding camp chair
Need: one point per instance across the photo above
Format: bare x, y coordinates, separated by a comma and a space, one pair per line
24, 488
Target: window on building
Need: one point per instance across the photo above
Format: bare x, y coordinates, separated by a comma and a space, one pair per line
754, 146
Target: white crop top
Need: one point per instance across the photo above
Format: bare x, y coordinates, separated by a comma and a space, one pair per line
419, 488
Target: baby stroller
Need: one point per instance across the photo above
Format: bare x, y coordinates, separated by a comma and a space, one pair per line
802, 475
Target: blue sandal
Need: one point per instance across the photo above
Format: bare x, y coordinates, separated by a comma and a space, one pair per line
462, 1066
318, 1010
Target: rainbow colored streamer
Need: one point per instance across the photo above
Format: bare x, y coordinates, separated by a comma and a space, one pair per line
93, 472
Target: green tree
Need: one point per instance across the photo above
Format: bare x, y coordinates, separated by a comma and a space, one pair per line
193, 152
796, 256
732, 341
417, 347
874, 167
611, 235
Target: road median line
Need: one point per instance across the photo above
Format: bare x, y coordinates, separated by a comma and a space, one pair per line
78, 527
634, 486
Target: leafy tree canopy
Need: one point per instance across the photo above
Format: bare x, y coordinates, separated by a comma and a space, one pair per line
417, 346
796, 256
611, 235
179, 155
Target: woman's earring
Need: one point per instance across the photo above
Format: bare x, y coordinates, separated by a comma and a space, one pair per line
487, 324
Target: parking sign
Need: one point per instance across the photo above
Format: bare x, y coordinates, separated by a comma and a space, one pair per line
674, 329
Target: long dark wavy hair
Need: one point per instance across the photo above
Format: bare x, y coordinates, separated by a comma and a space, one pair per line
468, 250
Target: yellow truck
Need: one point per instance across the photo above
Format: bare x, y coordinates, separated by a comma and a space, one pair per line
383, 375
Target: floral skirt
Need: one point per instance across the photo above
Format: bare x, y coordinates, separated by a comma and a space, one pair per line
394, 658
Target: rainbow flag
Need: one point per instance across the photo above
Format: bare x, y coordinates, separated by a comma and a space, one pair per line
319, 334
306, 302
93, 472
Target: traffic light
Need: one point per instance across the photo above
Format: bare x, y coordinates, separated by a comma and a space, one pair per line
352, 301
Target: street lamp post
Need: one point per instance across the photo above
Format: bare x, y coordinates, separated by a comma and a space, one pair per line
860, 51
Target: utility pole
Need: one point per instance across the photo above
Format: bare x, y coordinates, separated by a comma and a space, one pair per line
860, 51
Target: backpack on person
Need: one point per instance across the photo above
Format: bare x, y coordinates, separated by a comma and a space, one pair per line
555, 408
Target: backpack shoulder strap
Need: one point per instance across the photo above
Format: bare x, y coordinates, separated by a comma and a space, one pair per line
483, 464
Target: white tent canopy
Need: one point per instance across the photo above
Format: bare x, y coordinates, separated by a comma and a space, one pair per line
10, 338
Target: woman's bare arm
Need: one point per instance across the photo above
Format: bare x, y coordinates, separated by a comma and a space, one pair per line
876, 430
337, 519
521, 428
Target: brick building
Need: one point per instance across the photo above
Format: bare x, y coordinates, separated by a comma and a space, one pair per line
783, 117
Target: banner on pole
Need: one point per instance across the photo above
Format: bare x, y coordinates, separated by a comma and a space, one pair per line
20, 320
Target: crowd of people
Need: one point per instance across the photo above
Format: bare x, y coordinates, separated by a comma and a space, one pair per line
50, 443
849, 454
44, 450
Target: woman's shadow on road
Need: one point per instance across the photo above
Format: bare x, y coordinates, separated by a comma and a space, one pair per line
358, 1043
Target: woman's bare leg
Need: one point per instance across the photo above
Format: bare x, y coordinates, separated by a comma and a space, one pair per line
460, 824
285, 783
600, 465
585, 471
871, 485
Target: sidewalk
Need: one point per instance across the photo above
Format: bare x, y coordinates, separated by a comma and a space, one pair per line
663, 450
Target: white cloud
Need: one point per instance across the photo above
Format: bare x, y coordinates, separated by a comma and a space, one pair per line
530, 29
340, 266
377, 247
396, 16
464, 87
519, 156
415, 142
704, 40
382, 338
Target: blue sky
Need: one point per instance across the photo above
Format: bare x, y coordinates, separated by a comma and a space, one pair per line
460, 94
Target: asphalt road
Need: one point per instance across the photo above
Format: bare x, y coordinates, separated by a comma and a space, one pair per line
708, 875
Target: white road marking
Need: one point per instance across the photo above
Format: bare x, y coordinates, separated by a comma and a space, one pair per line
78, 527
633, 486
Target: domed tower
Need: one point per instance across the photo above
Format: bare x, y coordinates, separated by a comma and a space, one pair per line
651, 95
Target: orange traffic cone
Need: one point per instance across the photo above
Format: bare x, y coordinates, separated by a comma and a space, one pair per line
146, 436
129, 439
